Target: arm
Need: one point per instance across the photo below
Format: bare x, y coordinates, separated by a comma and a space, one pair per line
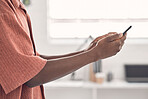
75, 53
56, 68
60, 56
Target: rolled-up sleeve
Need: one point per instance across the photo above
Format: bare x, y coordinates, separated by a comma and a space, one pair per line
17, 63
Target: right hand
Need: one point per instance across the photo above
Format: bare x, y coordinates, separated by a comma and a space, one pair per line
94, 42
108, 46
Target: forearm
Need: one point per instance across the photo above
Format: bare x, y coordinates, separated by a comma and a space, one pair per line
60, 56
57, 68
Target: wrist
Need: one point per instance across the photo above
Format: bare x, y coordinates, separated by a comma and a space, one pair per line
95, 54
91, 55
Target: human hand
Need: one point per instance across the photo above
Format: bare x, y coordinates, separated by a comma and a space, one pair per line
94, 42
108, 46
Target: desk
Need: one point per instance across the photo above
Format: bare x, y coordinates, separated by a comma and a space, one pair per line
115, 85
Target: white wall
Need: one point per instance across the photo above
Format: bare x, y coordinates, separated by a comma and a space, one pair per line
130, 54
38, 13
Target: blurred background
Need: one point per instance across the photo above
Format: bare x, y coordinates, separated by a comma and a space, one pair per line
64, 26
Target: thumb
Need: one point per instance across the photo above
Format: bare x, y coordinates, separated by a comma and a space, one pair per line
98, 38
114, 37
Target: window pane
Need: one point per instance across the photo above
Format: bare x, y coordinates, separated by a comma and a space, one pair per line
72, 30
98, 8
78, 10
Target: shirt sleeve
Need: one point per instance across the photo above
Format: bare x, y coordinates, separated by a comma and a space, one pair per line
17, 61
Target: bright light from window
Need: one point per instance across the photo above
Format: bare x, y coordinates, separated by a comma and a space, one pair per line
81, 18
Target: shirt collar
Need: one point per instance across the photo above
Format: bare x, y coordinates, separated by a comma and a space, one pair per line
18, 3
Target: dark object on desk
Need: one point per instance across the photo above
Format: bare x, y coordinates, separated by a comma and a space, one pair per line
97, 66
109, 76
136, 73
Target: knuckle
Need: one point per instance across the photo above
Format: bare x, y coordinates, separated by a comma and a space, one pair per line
108, 38
122, 43
117, 50
118, 43
116, 36
122, 40
115, 53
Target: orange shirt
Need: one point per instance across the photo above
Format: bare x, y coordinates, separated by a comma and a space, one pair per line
19, 61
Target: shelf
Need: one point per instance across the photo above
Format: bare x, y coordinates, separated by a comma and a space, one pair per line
91, 85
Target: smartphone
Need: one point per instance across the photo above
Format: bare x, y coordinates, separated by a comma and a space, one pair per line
126, 30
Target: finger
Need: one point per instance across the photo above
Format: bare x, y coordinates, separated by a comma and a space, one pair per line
91, 46
122, 44
98, 38
94, 41
114, 37
123, 38
125, 34
103, 36
118, 45
112, 33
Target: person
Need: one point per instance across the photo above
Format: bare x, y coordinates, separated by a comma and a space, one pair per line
23, 71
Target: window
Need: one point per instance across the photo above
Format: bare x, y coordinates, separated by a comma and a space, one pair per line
82, 18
